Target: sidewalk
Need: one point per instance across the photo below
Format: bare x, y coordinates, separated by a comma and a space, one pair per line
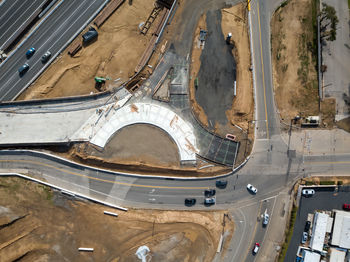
318, 142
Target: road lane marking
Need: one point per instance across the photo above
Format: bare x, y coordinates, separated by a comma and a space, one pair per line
98, 179
263, 72
328, 162
253, 235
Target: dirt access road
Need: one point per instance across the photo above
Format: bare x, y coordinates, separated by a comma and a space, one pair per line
37, 224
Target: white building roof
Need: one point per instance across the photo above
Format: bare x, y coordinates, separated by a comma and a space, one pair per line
310, 256
341, 229
337, 255
319, 231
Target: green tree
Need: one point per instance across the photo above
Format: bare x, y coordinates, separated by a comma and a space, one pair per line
328, 22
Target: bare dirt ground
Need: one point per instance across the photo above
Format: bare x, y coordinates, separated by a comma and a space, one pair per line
37, 224
294, 73
115, 55
133, 145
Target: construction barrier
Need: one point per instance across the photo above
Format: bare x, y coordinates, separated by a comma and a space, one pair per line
107, 11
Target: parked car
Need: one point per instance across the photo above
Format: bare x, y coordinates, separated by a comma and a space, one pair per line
307, 192
266, 219
256, 248
304, 238
221, 183
346, 207
190, 201
209, 192
252, 189
46, 57
307, 226
23, 69
30, 52
209, 201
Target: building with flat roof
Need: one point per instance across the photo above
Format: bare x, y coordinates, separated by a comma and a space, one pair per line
341, 229
319, 230
309, 256
336, 255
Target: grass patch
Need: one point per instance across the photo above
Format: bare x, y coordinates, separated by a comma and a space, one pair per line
310, 183
327, 183
48, 194
340, 182
289, 234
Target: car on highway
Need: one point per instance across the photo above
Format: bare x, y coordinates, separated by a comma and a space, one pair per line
304, 237
256, 248
266, 219
209, 192
30, 52
307, 226
252, 189
221, 184
23, 69
190, 201
208, 201
307, 192
46, 57
346, 207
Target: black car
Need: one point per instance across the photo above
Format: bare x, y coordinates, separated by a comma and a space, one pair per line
23, 69
221, 183
209, 192
190, 201
307, 226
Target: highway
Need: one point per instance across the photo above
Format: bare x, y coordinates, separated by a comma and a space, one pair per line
53, 34
15, 15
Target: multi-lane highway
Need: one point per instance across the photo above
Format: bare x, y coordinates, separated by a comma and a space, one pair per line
15, 15
52, 34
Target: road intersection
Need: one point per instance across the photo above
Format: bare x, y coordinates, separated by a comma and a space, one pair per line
274, 165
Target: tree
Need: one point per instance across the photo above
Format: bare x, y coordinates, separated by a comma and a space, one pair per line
328, 22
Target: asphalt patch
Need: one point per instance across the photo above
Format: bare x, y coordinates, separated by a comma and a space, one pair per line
217, 73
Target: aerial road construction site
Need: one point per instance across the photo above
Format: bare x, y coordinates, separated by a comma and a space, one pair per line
163, 130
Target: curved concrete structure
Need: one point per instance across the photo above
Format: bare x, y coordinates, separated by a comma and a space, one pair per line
153, 114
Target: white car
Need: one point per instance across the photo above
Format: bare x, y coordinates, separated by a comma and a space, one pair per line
266, 219
308, 192
252, 189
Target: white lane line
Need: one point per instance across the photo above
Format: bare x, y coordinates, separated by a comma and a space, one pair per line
62, 34
240, 241
4, 14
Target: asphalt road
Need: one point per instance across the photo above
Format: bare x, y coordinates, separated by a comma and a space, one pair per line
53, 34
326, 199
217, 72
15, 16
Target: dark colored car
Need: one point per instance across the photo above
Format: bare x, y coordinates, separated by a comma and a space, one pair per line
23, 69
346, 207
190, 201
307, 226
209, 192
221, 183
30, 52
46, 57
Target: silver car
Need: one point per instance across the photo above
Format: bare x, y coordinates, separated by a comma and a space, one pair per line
209, 201
252, 189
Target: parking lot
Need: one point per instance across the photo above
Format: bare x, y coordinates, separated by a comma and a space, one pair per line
324, 199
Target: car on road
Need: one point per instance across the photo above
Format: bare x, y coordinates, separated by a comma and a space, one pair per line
190, 201
256, 248
221, 183
346, 207
266, 219
252, 189
209, 192
30, 52
208, 201
304, 237
307, 192
46, 57
23, 69
307, 226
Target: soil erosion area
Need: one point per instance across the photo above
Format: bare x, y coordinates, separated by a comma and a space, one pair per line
37, 224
